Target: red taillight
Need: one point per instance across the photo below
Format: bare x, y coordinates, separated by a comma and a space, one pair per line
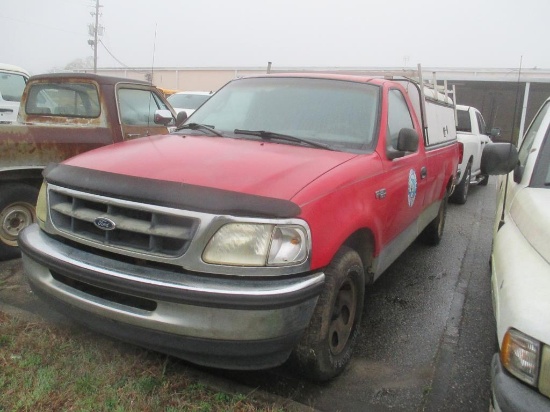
460, 152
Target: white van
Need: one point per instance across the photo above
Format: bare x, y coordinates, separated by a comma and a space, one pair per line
12, 83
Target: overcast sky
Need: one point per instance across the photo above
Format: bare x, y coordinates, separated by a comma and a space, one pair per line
42, 35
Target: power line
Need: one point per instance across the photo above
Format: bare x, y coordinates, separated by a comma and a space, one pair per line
121, 63
112, 55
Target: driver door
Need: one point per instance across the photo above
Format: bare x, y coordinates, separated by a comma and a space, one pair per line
137, 109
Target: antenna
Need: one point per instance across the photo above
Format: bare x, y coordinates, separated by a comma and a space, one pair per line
151, 78
501, 222
154, 49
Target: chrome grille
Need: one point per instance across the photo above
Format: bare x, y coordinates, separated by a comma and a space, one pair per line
139, 228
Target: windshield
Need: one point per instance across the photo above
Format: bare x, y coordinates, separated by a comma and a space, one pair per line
341, 114
187, 101
541, 173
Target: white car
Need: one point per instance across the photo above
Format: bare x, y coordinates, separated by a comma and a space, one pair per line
188, 101
12, 83
520, 263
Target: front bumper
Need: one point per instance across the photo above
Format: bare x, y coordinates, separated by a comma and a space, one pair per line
510, 394
227, 322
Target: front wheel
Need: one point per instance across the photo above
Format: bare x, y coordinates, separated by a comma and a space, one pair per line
17, 211
326, 346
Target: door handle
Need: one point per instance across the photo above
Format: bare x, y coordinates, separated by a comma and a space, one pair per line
132, 135
423, 172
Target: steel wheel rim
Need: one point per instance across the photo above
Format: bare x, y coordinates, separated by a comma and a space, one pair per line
15, 218
343, 317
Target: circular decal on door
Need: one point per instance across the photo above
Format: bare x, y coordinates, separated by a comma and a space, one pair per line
412, 187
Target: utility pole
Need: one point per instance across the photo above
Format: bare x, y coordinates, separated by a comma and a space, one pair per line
95, 32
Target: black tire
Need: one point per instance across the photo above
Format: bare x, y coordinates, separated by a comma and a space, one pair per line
484, 180
327, 344
460, 194
433, 233
17, 211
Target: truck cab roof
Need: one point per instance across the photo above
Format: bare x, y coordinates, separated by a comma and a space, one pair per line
14, 69
88, 76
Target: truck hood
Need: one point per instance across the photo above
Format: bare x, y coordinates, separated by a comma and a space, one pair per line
530, 212
245, 166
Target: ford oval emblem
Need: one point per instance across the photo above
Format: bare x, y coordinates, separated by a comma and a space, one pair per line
104, 223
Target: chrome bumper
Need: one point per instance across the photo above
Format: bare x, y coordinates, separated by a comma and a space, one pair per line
233, 322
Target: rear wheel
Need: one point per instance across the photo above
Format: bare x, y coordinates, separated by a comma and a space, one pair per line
326, 346
433, 233
17, 211
460, 194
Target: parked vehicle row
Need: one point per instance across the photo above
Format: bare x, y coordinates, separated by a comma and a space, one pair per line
28, 149
246, 237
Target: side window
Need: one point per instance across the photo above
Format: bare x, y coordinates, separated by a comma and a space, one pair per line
530, 135
137, 107
398, 117
480, 123
464, 123
12, 86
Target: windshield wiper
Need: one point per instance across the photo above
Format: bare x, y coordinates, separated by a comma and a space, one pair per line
198, 126
272, 135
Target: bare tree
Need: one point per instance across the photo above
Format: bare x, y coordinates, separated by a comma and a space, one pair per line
79, 64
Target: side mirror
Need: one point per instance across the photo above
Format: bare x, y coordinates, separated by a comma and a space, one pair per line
163, 117
407, 140
498, 158
181, 117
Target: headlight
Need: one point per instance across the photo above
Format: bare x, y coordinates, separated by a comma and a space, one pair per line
252, 244
520, 354
42, 206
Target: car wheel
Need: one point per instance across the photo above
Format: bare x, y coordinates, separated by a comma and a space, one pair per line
433, 233
460, 194
326, 346
17, 211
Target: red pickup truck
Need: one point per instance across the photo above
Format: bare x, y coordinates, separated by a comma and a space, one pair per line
248, 236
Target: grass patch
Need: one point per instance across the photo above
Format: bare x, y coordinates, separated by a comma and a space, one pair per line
45, 368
